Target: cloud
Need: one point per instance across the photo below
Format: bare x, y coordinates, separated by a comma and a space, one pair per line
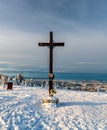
91, 63
42, 16
25, 23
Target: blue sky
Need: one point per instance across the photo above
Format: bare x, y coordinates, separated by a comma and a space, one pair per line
81, 24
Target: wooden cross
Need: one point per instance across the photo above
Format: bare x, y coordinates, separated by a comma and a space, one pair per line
51, 46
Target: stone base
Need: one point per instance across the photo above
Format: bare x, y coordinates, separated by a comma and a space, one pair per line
50, 101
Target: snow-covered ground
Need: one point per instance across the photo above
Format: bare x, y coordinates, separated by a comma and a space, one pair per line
21, 109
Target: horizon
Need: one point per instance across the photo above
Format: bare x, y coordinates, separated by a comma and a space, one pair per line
46, 70
81, 25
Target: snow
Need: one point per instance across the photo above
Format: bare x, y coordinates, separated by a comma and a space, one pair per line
22, 109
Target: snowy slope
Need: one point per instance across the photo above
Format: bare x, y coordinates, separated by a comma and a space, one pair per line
21, 109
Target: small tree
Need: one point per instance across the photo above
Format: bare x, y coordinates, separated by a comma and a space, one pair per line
19, 79
4, 79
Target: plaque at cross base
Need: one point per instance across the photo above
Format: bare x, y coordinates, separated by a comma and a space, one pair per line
51, 45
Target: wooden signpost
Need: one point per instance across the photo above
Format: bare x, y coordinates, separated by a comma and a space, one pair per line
51, 45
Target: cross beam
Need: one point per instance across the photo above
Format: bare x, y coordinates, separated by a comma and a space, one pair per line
51, 45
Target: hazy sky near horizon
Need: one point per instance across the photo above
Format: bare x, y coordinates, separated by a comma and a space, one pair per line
81, 24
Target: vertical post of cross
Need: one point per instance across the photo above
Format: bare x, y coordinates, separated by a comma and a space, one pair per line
51, 64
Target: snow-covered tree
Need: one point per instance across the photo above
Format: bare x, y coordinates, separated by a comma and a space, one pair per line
19, 79
4, 80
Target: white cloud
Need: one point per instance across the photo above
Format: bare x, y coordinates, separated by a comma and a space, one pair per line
91, 63
19, 37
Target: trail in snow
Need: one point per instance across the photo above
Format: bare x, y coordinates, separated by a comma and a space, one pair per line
21, 109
